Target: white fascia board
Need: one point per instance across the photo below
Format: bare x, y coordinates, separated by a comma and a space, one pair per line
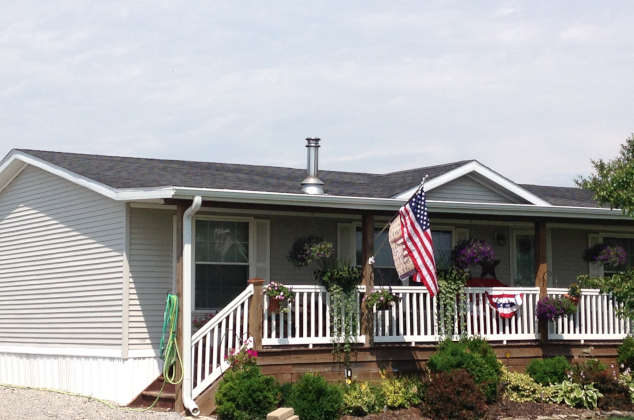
393, 204
482, 170
291, 199
123, 194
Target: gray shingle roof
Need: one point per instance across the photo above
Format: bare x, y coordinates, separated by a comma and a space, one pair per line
563, 196
128, 172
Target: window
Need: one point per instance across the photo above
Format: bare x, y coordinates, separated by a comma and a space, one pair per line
524, 264
385, 273
222, 262
443, 246
628, 246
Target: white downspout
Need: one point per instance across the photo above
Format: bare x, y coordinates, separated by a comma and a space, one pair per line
188, 402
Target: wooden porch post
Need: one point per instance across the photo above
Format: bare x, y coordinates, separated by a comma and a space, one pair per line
367, 279
180, 211
541, 265
256, 306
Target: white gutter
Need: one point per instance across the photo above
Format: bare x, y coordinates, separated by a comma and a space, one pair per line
188, 402
393, 204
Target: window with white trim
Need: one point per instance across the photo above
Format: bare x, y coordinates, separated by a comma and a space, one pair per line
221, 260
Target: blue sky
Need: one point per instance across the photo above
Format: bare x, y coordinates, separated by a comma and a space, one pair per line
531, 89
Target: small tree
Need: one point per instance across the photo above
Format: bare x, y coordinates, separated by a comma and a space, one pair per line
613, 181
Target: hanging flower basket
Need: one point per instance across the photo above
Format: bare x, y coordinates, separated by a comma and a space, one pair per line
280, 297
611, 256
473, 252
574, 293
551, 308
383, 299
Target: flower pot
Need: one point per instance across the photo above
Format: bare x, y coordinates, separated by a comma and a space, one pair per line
274, 306
384, 306
574, 299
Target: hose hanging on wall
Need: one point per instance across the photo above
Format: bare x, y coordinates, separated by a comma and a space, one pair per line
169, 346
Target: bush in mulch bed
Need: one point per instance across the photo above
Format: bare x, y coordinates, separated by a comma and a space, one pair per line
616, 395
454, 395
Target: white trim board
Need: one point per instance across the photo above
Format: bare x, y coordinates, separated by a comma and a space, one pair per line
478, 168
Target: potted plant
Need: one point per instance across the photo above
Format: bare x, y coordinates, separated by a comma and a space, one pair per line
574, 293
610, 255
280, 297
473, 252
550, 308
383, 299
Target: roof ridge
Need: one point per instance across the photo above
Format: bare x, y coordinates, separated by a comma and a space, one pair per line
551, 186
462, 162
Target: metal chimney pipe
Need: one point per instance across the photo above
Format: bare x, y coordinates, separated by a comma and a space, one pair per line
312, 184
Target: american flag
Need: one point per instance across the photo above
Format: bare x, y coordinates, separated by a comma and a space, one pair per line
417, 239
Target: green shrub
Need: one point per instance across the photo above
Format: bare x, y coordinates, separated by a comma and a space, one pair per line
246, 394
616, 394
575, 395
285, 392
315, 399
401, 392
626, 353
454, 395
474, 355
520, 387
363, 398
552, 370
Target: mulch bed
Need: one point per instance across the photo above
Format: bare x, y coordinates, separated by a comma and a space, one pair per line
506, 408
499, 410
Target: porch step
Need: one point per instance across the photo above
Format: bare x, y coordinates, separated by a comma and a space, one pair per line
282, 413
166, 396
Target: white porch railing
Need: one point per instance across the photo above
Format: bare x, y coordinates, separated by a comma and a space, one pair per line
596, 318
307, 321
211, 344
415, 317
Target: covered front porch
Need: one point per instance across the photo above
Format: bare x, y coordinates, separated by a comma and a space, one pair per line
550, 248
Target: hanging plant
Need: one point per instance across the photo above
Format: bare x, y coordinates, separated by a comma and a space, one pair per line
609, 255
341, 280
451, 286
472, 252
383, 299
550, 308
280, 297
308, 249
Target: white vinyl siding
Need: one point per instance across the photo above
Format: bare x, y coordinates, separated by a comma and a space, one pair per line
61, 264
468, 189
151, 274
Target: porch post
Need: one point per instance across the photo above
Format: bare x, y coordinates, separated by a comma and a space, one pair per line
180, 211
541, 265
256, 306
367, 279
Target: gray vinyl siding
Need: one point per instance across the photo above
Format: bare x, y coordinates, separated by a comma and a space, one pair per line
567, 251
61, 259
284, 231
467, 190
151, 274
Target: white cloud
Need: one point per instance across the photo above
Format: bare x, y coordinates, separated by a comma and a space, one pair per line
533, 91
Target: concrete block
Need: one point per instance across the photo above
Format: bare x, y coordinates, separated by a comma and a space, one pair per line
282, 413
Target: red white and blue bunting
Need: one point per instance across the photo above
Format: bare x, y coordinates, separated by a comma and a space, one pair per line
506, 305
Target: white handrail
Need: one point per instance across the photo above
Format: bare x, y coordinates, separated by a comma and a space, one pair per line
246, 293
213, 343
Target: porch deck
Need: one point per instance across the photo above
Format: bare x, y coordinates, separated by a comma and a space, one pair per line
407, 332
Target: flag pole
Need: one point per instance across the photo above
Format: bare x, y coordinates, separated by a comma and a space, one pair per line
371, 260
